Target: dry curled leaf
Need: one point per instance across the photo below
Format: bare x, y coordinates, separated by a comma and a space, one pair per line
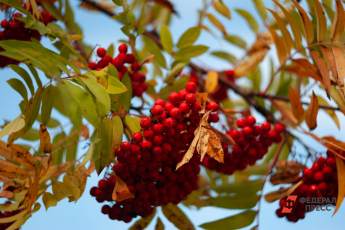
311, 113
121, 191
205, 142
286, 172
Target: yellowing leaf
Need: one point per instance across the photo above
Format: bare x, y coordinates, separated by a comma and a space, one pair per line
176, 216
341, 183
338, 25
307, 23
296, 105
12, 127
166, 38
49, 200
311, 113
121, 191
211, 81
143, 222
218, 24
303, 68
281, 193
221, 8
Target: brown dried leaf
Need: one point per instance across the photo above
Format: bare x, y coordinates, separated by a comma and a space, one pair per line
202, 99
303, 68
311, 113
121, 191
308, 25
338, 25
45, 141
322, 66
296, 105
210, 144
339, 54
341, 183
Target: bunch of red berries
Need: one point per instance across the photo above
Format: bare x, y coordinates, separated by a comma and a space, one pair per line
147, 164
14, 29
319, 188
252, 143
44, 15
124, 63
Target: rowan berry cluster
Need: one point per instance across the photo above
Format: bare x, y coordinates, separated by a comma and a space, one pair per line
14, 29
319, 181
124, 63
147, 163
252, 143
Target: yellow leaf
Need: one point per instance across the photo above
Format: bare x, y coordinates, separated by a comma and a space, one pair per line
341, 183
159, 224
49, 200
222, 8
216, 23
322, 66
311, 113
45, 142
296, 105
282, 51
307, 23
337, 29
12, 127
211, 81
121, 191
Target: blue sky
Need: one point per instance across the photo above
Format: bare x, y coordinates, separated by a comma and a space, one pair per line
85, 214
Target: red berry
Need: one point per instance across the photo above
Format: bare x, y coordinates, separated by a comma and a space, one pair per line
213, 117
123, 48
235, 134
92, 65
191, 87
213, 106
137, 137
125, 146
93, 191
248, 130
169, 122
145, 122
174, 97
318, 176
4, 23
101, 52
184, 107
148, 134
279, 127
158, 128
190, 98
130, 58
160, 102
241, 122
265, 126
145, 144
106, 209
135, 66
175, 113
157, 110
250, 120
157, 140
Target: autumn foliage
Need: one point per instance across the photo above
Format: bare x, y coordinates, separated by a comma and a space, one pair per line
162, 129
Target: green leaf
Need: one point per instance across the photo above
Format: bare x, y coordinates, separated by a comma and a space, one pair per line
175, 71
115, 86
189, 37
117, 131
103, 139
14, 126
133, 123
35, 74
189, 52
31, 135
152, 47
123, 101
236, 40
18, 86
241, 187
226, 56
249, 18
176, 216
72, 146
99, 92
47, 104
59, 148
237, 221
166, 39
31, 52
25, 76
221, 8
238, 201
143, 222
